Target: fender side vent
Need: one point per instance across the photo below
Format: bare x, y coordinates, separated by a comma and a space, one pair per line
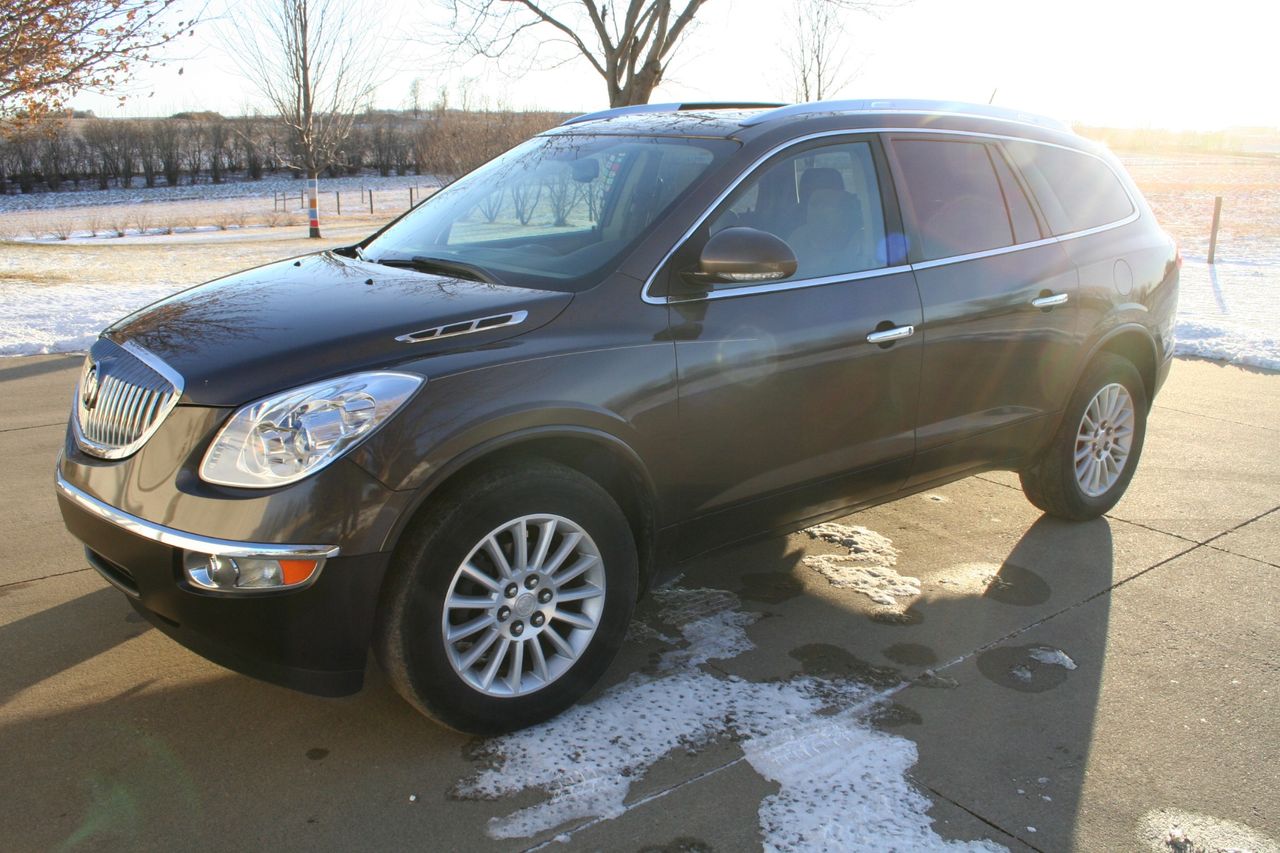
464, 327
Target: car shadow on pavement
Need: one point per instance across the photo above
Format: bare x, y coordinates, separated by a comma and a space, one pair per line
193, 755
64, 636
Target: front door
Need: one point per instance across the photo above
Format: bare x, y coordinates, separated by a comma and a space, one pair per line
999, 299
786, 410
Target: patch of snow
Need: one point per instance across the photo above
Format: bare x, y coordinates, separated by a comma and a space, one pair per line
47, 318
866, 568
1052, 657
863, 544
1021, 672
1174, 830
1230, 311
842, 783
881, 584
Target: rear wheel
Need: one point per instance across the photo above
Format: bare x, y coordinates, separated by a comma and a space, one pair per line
510, 600
1088, 465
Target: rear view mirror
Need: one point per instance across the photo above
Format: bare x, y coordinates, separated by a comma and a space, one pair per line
742, 256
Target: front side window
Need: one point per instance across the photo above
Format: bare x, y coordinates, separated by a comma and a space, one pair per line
1076, 191
950, 192
824, 202
553, 212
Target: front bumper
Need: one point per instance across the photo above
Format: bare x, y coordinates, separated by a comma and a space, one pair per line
313, 639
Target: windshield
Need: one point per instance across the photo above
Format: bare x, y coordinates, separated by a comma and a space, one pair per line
553, 212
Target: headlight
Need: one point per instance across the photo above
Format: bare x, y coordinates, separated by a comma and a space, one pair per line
289, 436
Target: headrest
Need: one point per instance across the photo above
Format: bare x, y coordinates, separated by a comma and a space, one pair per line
819, 179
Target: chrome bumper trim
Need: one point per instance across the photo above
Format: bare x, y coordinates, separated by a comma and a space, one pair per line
187, 541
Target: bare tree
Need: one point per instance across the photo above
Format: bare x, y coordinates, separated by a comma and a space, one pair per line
314, 61
629, 43
819, 50
51, 49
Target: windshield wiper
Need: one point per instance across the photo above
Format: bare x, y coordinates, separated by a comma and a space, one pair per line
457, 269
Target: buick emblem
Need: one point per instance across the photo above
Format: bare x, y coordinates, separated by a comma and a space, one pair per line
89, 388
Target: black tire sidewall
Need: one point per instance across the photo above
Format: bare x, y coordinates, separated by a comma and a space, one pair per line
424, 663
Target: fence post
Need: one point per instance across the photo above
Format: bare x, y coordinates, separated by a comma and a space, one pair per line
371, 201
337, 194
411, 198
302, 202
1213, 234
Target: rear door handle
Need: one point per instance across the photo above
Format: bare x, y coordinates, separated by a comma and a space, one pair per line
888, 336
1051, 300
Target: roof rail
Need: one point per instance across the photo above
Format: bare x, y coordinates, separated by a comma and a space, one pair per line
909, 105
639, 109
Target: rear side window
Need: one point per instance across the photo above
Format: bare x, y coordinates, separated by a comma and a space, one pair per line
1076, 191
951, 193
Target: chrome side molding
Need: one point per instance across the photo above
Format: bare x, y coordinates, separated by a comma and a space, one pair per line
181, 539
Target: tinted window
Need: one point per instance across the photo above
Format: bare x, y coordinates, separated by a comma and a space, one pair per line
554, 212
1076, 191
1025, 227
951, 194
824, 202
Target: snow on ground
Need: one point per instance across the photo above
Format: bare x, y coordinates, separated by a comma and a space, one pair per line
44, 318
866, 568
842, 783
268, 186
1230, 311
1176, 831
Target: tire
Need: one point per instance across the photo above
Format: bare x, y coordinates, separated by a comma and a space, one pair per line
1053, 483
468, 523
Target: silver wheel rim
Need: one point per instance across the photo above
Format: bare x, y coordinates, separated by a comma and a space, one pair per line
1104, 439
524, 605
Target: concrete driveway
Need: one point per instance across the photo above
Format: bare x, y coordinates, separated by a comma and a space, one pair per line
1161, 711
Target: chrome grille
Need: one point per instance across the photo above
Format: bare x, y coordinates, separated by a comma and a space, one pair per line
123, 396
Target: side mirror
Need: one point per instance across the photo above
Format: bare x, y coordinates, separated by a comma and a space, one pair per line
742, 256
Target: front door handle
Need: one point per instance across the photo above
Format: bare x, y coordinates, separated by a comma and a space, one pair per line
888, 336
1051, 300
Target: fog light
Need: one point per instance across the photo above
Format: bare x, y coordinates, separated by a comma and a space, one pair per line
214, 571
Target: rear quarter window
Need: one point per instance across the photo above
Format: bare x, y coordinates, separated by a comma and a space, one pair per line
1076, 191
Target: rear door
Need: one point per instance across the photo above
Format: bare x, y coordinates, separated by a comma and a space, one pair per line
999, 302
786, 409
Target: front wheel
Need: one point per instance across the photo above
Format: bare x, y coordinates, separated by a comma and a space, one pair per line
510, 600
1088, 465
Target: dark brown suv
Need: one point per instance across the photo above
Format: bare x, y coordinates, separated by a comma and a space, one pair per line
472, 440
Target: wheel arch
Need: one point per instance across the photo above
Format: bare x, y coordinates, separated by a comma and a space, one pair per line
1134, 343
605, 458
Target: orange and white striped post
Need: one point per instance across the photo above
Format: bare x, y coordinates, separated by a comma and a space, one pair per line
313, 205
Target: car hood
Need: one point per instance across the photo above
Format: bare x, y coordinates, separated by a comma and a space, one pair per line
285, 324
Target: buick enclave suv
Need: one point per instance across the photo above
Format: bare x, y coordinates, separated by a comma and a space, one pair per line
473, 439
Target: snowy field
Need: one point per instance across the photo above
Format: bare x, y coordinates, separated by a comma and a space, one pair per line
240, 189
57, 297
58, 294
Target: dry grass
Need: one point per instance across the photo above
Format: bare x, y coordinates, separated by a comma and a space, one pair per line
1181, 189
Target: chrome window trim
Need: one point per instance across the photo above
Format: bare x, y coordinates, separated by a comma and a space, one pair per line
187, 541
723, 293
747, 290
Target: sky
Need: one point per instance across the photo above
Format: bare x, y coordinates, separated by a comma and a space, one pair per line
1123, 63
